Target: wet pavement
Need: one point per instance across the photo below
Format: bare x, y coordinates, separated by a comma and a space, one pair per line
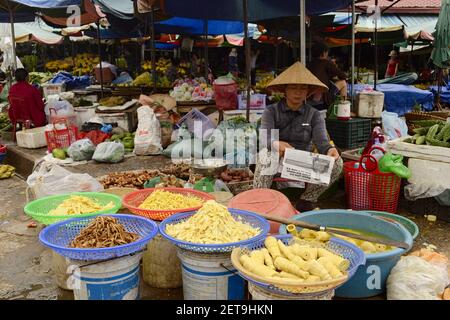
26, 266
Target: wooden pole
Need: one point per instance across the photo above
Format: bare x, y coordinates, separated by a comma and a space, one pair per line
247, 58
353, 52
13, 37
205, 28
100, 56
302, 32
376, 47
152, 50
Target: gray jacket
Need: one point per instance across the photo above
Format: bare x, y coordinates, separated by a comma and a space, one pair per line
299, 128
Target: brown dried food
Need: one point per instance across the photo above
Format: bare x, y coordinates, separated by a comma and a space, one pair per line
103, 232
128, 179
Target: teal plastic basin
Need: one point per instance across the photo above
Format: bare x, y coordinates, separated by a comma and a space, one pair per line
370, 278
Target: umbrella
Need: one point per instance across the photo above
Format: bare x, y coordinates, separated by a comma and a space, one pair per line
441, 51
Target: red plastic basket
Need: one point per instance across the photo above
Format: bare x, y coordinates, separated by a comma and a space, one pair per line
133, 200
226, 96
370, 189
61, 138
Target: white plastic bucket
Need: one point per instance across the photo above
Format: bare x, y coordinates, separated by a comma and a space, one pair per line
59, 267
116, 279
210, 276
259, 293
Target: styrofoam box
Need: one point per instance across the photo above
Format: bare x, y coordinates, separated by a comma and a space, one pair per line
429, 172
255, 115
423, 152
257, 101
53, 88
31, 138
370, 104
125, 120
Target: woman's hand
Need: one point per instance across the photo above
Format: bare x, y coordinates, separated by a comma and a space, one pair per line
333, 153
281, 146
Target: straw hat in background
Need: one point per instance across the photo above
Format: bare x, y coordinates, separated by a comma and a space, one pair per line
296, 74
393, 53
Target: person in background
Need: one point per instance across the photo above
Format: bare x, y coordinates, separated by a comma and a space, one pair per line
330, 75
392, 66
253, 59
26, 103
233, 63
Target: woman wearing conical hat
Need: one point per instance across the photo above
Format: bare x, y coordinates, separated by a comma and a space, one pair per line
299, 126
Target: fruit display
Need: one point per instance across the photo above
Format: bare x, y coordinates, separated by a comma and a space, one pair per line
29, 62
162, 65
5, 123
80, 65
144, 79
436, 135
7, 171
263, 82
112, 101
121, 63
192, 90
40, 77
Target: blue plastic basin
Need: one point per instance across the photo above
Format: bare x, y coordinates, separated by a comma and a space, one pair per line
370, 278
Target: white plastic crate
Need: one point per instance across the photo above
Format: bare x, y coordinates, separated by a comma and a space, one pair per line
53, 88
257, 101
370, 104
255, 115
31, 138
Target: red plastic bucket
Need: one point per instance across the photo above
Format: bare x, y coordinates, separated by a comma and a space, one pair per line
226, 96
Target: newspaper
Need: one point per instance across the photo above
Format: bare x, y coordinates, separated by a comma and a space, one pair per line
307, 167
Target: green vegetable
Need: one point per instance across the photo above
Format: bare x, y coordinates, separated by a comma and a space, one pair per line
438, 143
420, 140
408, 140
421, 131
427, 123
446, 132
432, 132
59, 154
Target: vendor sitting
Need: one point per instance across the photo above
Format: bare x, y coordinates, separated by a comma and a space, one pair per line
299, 126
25, 102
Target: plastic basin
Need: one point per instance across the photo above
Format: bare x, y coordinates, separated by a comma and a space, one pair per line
370, 278
407, 223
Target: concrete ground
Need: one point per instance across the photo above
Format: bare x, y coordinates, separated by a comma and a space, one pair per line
26, 266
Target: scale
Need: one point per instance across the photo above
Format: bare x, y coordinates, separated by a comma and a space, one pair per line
209, 168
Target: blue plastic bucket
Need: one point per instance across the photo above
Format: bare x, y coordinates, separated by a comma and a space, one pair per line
210, 276
116, 279
370, 278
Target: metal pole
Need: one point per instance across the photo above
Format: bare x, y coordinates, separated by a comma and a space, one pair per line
302, 32
100, 56
13, 37
277, 52
353, 52
247, 57
205, 28
152, 50
376, 47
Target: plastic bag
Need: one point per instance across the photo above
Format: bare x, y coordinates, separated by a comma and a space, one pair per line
413, 278
147, 140
109, 152
393, 126
81, 150
61, 108
185, 149
51, 179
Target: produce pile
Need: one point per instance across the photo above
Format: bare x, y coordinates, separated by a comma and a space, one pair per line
262, 84
82, 64
145, 80
79, 205
165, 200
60, 154
103, 232
7, 171
5, 123
40, 77
321, 236
212, 224
236, 175
179, 170
135, 179
112, 101
434, 133
163, 67
192, 90
127, 139
304, 263
166, 181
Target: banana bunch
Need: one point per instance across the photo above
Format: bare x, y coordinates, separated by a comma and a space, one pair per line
162, 65
144, 79
164, 82
7, 171
263, 83
5, 123
121, 63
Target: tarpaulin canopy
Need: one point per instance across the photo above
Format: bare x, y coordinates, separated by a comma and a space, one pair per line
257, 9
43, 4
441, 52
30, 32
90, 13
197, 27
113, 34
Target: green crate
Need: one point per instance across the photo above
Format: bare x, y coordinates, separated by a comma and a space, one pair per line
350, 134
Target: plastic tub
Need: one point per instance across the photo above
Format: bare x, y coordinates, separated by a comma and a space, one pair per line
116, 279
407, 223
369, 279
210, 276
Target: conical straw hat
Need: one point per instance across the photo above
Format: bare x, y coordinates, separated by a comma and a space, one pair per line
296, 74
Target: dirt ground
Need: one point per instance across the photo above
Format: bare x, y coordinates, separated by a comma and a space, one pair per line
25, 265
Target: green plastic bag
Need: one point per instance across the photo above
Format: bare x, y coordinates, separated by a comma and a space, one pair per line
394, 163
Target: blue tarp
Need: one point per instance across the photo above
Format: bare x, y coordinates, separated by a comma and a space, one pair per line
445, 93
24, 10
401, 99
71, 81
179, 25
257, 9
113, 34
48, 4
165, 46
